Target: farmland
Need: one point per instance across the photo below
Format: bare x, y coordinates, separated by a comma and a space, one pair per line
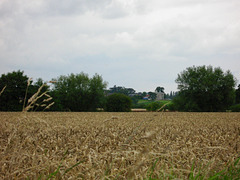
101, 145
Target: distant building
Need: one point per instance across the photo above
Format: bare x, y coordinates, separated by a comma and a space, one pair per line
160, 96
147, 97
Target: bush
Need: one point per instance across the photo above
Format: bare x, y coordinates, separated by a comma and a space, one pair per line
118, 103
140, 105
170, 107
235, 108
154, 106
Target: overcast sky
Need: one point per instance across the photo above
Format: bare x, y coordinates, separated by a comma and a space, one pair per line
140, 44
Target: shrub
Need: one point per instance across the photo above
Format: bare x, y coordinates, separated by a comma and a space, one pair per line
118, 103
154, 106
170, 107
235, 108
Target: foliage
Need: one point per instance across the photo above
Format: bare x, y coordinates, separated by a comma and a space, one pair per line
21, 94
118, 103
78, 92
142, 103
238, 94
171, 95
152, 95
205, 89
231, 171
160, 89
139, 105
170, 106
147, 103
40, 100
2, 90
154, 106
235, 108
14, 93
121, 90
134, 100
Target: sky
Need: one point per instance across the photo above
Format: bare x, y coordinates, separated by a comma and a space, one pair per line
138, 44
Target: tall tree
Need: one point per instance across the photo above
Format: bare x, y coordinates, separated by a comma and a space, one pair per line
160, 89
205, 89
238, 95
78, 92
152, 95
41, 87
96, 92
13, 97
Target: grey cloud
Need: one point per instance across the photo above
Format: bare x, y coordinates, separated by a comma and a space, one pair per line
149, 41
50, 7
63, 7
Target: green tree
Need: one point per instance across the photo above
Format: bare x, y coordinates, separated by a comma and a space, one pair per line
78, 92
238, 95
121, 90
14, 93
235, 108
144, 94
204, 89
118, 103
160, 89
135, 100
39, 105
96, 92
152, 95
154, 106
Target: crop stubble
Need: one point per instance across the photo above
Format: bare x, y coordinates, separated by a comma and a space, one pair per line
116, 145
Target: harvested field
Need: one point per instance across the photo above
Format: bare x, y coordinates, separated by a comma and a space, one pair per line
103, 145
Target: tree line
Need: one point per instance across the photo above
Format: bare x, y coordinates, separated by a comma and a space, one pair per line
201, 89
75, 92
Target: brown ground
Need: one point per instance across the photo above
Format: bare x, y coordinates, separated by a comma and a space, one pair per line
116, 145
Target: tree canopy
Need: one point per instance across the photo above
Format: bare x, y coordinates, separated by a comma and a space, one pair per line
205, 89
14, 93
78, 92
202, 88
121, 90
18, 89
238, 95
159, 89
